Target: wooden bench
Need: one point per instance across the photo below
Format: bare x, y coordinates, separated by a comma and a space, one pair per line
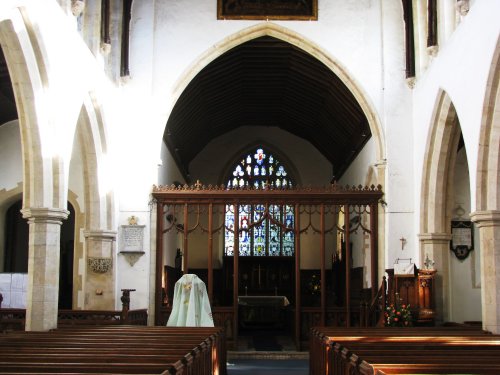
115, 349
429, 350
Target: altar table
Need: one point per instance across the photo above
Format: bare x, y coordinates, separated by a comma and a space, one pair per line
263, 311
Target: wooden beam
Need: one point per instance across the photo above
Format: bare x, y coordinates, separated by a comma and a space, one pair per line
323, 273
185, 250
125, 50
297, 277
374, 247
334, 194
347, 265
210, 254
159, 262
432, 30
236, 254
105, 15
409, 38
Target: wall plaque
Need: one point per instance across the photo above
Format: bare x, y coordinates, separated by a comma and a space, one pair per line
267, 9
132, 238
462, 239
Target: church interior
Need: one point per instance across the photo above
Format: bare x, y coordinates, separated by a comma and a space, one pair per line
316, 163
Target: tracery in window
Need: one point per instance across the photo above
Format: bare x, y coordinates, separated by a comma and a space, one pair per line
259, 171
262, 231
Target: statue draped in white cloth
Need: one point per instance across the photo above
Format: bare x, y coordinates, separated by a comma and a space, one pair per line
191, 307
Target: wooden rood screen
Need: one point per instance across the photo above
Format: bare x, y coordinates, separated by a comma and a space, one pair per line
194, 220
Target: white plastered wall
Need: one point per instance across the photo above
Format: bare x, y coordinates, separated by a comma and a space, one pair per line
472, 44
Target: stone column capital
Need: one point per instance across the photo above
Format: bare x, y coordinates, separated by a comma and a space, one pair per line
100, 234
487, 218
48, 215
434, 237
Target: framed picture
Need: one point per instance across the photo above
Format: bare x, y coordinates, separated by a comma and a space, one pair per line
305, 10
462, 238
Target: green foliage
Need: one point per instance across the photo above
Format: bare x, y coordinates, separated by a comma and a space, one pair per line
398, 314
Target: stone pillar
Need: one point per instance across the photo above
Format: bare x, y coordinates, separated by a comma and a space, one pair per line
436, 246
488, 223
43, 267
99, 278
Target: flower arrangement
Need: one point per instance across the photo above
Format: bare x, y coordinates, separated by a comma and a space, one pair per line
315, 285
398, 314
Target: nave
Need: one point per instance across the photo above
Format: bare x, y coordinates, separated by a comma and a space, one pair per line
125, 349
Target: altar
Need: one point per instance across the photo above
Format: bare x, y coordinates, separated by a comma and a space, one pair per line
263, 311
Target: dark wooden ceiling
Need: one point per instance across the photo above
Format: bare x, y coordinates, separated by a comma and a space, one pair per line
263, 82
8, 110
268, 82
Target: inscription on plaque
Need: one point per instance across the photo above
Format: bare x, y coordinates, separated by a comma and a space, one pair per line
132, 238
462, 240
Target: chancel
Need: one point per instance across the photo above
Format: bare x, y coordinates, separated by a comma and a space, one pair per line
317, 164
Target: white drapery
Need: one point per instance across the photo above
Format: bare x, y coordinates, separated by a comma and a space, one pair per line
191, 306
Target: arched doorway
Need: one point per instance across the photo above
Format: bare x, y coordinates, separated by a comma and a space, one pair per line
16, 240
16, 250
66, 260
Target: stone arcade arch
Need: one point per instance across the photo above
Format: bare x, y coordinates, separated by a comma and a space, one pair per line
46, 156
44, 207
437, 195
487, 216
98, 227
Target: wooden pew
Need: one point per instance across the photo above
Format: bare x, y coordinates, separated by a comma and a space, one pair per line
382, 350
115, 349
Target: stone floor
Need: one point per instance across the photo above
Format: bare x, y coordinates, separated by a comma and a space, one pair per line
268, 341
268, 366
267, 353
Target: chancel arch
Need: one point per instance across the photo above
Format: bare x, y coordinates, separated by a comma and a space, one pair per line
270, 29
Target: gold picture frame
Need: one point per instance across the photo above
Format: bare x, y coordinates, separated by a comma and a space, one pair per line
293, 10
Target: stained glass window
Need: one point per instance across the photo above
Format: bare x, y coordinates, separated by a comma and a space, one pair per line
259, 170
262, 232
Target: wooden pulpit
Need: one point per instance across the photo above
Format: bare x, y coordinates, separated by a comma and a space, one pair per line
417, 290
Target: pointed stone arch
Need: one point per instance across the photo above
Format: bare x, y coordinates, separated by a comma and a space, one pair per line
44, 200
91, 134
488, 172
437, 195
100, 237
298, 40
487, 216
27, 83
